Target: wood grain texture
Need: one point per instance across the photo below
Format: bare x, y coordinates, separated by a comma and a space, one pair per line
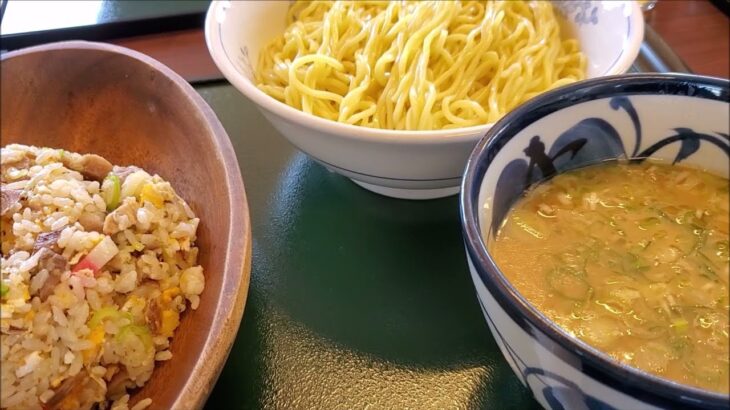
99, 98
183, 51
697, 31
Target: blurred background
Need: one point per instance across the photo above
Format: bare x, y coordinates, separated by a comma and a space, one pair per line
682, 35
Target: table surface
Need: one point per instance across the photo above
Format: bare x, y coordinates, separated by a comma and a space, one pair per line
697, 31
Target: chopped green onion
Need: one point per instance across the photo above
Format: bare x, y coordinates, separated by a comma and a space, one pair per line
708, 272
111, 191
108, 313
4, 289
648, 222
680, 325
628, 263
141, 331
722, 249
569, 283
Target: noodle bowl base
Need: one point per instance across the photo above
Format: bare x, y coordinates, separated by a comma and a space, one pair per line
402, 164
409, 193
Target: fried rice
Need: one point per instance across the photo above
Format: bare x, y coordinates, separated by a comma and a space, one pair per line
98, 264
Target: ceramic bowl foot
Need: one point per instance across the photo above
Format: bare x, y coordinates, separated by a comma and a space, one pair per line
402, 193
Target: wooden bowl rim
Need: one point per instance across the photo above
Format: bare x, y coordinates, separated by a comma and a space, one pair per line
228, 311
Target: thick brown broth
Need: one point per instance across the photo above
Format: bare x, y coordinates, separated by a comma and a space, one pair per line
632, 259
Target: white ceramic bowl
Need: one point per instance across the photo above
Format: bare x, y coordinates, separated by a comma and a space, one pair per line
404, 164
676, 118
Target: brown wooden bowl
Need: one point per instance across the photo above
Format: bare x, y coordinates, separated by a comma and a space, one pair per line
125, 106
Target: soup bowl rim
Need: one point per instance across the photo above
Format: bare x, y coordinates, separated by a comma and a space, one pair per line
506, 295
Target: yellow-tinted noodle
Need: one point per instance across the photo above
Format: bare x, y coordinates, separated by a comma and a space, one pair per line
417, 65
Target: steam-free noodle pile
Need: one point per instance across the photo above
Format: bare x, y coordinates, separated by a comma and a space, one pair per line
417, 65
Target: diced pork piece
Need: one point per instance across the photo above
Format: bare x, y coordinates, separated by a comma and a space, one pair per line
8, 199
56, 265
92, 221
47, 240
124, 172
91, 166
121, 218
117, 386
153, 316
77, 392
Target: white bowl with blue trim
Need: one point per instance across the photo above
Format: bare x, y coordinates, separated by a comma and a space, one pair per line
402, 164
677, 118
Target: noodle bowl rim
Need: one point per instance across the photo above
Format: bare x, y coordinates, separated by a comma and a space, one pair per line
214, 41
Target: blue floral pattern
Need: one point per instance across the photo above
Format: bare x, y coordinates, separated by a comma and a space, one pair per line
573, 149
245, 60
583, 12
559, 392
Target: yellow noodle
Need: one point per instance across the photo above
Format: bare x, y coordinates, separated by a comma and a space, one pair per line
417, 65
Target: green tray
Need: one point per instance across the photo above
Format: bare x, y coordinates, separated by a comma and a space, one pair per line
356, 300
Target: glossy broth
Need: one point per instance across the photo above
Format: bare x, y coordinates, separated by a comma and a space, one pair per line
632, 259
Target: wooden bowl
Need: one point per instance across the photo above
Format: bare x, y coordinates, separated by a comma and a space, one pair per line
120, 104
